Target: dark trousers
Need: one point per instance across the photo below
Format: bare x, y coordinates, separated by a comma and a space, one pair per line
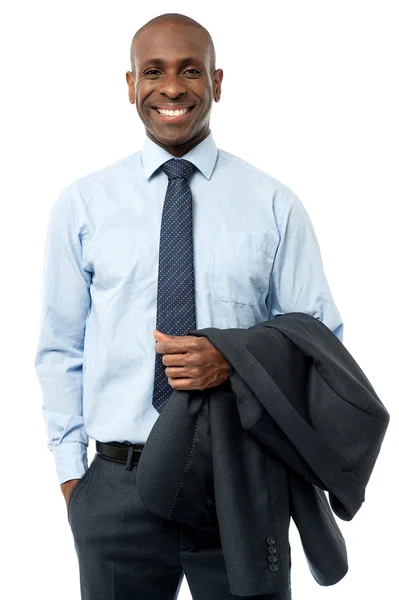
127, 553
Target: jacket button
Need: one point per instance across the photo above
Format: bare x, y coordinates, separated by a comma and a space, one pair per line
272, 558
270, 541
272, 549
273, 568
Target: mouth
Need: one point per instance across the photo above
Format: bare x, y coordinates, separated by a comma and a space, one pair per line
173, 116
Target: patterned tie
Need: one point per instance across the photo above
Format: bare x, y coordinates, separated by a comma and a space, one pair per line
176, 301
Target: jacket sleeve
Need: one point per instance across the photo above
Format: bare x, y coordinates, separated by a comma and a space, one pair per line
298, 282
65, 304
311, 404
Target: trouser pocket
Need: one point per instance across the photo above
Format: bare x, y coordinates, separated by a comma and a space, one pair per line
78, 486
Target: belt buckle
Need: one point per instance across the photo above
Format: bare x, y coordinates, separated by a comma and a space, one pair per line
130, 453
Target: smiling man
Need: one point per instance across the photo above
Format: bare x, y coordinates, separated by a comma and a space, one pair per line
178, 236
173, 81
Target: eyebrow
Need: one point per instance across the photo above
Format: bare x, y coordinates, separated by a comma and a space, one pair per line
184, 61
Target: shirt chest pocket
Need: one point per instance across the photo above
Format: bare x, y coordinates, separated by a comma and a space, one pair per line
242, 265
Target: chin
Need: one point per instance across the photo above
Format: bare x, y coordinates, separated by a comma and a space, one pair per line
172, 138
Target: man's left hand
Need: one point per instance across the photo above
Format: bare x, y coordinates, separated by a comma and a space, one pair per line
192, 363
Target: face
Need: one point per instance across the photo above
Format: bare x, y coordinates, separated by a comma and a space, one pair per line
179, 79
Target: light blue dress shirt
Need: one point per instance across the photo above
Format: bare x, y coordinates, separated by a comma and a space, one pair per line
255, 256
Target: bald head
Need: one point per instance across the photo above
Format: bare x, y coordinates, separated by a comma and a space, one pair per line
173, 67
174, 19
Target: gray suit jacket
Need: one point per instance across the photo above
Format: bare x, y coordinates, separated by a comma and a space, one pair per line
298, 417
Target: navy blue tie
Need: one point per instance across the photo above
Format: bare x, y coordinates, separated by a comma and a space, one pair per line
176, 300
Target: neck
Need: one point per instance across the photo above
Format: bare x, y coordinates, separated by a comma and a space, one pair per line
181, 149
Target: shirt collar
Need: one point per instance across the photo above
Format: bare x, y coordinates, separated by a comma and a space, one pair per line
203, 156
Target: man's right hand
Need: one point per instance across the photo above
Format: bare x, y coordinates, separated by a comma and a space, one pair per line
67, 487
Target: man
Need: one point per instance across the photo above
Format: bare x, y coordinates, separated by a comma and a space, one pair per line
155, 246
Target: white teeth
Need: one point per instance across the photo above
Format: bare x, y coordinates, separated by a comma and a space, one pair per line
172, 113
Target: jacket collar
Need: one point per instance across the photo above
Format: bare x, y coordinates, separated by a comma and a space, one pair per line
203, 156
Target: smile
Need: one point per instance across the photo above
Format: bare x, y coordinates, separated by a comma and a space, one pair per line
172, 115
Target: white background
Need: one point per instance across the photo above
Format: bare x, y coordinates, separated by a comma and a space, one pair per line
310, 96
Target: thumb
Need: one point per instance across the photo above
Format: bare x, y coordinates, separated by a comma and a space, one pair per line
159, 335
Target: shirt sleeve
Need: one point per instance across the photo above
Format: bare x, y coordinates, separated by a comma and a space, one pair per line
65, 304
297, 281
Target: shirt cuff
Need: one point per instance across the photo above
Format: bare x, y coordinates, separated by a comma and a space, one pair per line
70, 460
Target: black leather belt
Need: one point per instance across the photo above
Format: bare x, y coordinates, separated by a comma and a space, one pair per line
124, 453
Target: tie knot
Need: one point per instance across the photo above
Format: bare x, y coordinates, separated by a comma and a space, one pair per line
178, 168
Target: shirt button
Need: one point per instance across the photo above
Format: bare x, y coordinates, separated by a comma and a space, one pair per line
273, 568
271, 549
270, 541
272, 558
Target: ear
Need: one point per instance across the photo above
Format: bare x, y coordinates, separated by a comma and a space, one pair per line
217, 84
130, 83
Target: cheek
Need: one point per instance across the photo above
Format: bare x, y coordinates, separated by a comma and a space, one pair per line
206, 97
143, 91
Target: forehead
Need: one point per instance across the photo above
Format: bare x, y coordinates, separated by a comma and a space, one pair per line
171, 43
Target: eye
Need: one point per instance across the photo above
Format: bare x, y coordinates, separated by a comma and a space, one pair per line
156, 71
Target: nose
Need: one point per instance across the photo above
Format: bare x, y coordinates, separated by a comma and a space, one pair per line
172, 86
